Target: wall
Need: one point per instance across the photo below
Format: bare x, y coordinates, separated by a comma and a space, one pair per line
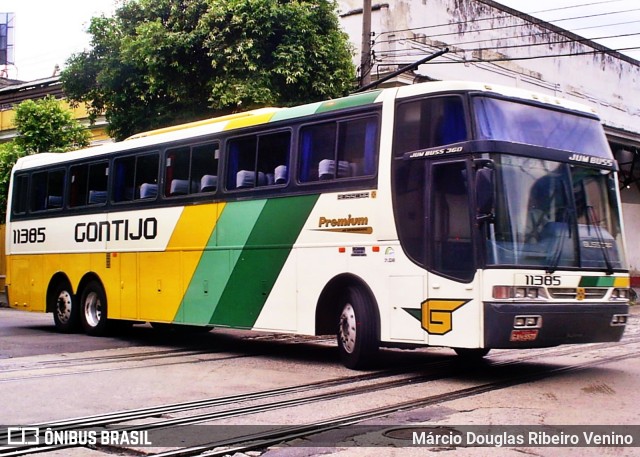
492, 43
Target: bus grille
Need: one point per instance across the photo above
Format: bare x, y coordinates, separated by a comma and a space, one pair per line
572, 294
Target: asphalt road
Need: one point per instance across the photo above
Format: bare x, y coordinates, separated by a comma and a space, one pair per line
47, 376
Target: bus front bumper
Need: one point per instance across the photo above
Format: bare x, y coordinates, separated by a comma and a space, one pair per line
526, 325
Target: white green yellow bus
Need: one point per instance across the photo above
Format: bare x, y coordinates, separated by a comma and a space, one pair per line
450, 214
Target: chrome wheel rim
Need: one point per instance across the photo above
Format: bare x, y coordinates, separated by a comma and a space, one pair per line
348, 328
63, 306
92, 309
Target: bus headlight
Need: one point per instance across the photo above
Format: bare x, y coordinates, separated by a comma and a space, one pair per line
527, 322
619, 319
620, 294
518, 293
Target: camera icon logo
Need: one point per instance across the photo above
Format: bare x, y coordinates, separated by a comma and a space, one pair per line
23, 436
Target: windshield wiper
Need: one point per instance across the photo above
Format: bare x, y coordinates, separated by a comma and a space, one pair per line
557, 253
569, 218
592, 222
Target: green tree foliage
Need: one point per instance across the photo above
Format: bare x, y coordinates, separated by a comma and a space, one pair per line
42, 126
162, 62
10, 152
45, 126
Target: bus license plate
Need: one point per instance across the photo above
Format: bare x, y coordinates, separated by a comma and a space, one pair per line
524, 335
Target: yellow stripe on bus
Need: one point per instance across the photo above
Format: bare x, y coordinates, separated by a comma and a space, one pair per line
167, 274
256, 119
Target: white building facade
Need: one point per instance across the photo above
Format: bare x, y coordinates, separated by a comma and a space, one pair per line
492, 43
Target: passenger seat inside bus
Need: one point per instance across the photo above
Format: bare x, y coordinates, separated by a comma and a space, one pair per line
54, 201
280, 174
327, 168
246, 179
148, 190
179, 187
97, 196
208, 183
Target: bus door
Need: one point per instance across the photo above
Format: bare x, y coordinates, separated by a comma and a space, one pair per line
451, 310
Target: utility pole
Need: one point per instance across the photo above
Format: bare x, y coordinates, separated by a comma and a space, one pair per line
365, 55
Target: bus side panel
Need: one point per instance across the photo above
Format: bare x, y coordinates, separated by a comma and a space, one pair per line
280, 310
126, 289
262, 259
20, 282
209, 280
243, 259
337, 239
160, 285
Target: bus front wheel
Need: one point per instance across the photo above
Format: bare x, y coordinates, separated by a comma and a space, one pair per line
65, 309
93, 307
357, 333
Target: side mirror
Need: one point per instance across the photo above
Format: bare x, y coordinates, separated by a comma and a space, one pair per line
485, 192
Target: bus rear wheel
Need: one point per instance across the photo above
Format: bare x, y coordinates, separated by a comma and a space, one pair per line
357, 333
93, 309
65, 309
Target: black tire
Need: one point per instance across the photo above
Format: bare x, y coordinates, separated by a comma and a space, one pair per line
357, 330
93, 309
66, 313
474, 354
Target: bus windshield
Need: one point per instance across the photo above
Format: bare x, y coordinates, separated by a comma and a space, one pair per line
504, 120
554, 215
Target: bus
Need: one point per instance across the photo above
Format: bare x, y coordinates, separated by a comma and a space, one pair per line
449, 214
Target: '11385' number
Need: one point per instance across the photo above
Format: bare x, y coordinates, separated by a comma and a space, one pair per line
540, 280
32, 235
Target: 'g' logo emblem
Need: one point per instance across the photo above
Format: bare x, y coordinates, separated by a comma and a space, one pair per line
437, 316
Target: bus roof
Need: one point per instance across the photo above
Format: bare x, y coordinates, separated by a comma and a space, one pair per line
266, 115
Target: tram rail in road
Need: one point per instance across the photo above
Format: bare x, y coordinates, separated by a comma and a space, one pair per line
507, 370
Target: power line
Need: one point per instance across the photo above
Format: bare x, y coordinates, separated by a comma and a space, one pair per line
521, 45
398, 53
577, 6
571, 54
510, 59
491, 18
606, 25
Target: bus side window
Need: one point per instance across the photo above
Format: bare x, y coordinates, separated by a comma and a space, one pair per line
352, 155
78, 176
47, 190
204, 167
452, 250
147, 176
428, 123
258, 160
273, 157
317, 152
357, 146
191, 169
21, 194
136, 177
241, 163
123, 179
176, 175
88, 184
97, 184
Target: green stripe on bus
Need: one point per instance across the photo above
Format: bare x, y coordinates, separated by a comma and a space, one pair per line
349, 102
596, 281
296, 111
216, 263
261, 261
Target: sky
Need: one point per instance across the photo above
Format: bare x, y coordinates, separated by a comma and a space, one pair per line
48, 32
